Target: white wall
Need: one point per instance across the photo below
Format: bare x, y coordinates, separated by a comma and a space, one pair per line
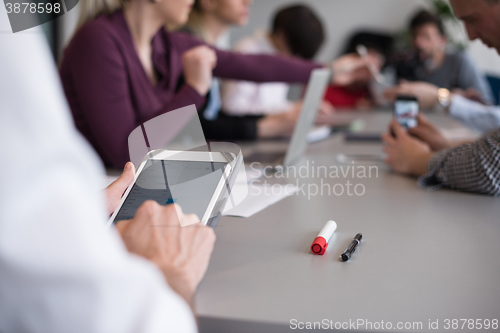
341, 18
486, 59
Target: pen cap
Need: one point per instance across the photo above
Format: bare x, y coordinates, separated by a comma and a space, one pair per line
319, 246
345, 256
321, 241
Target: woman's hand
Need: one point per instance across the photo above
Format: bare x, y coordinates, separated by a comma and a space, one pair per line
114, 192
198, 64
405, 154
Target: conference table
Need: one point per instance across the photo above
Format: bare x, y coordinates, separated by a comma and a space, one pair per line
427, 260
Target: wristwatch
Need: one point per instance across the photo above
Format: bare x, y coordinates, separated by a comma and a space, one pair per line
444, 98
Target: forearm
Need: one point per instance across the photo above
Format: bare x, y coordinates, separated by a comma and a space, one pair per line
473, 167
454, 144
269, 127
263, 68
474, 114
180, 285
251, 67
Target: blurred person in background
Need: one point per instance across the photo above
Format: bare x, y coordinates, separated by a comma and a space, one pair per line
210, 20
434, 62
247, 105
285, 38
364, 94
472, 167
123, 68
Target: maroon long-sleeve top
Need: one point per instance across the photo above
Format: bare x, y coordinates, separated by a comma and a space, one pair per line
110, 94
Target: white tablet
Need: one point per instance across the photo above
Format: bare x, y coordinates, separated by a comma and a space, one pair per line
197, 181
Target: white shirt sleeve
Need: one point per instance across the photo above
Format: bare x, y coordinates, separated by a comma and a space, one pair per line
250, 98
60, 270
475, 115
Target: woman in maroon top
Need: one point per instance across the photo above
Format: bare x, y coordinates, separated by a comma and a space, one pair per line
122, 68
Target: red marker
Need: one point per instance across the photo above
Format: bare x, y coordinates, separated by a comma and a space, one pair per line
320, 243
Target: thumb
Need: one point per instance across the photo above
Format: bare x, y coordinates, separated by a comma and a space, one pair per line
422, 120
398, 129
120, 185
418, 131
213, 58
114, 192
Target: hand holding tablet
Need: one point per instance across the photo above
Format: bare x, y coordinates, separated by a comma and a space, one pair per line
195, 180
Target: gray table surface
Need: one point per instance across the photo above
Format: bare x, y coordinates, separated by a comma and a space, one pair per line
424, 255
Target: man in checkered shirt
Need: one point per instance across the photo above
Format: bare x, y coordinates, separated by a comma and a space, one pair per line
471, 167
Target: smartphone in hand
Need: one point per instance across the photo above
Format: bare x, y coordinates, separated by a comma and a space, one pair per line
406, 110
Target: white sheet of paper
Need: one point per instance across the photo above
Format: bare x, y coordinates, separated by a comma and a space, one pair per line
319, 134
259, 197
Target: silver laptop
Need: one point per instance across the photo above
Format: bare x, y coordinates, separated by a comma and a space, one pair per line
318, 82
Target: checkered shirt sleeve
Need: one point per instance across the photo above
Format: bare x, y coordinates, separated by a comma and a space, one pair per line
473, 167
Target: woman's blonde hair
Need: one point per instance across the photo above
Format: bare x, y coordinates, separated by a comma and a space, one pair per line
195, 22
91, 9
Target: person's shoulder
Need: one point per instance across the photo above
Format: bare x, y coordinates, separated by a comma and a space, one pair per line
459, 57
181, 39
98, 32
187, 30
99, 39
181, 35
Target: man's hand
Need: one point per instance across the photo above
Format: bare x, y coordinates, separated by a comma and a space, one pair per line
350, 69
426, 93
430, 134
182, 253
115, 190
197, 64
405, 154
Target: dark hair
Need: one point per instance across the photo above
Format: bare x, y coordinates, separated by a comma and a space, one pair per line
302, 29
425, 17
381, 42
197, 6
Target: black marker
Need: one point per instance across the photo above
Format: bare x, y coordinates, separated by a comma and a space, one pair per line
351, 248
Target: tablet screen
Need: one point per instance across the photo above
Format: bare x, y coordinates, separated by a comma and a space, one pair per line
191, 184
